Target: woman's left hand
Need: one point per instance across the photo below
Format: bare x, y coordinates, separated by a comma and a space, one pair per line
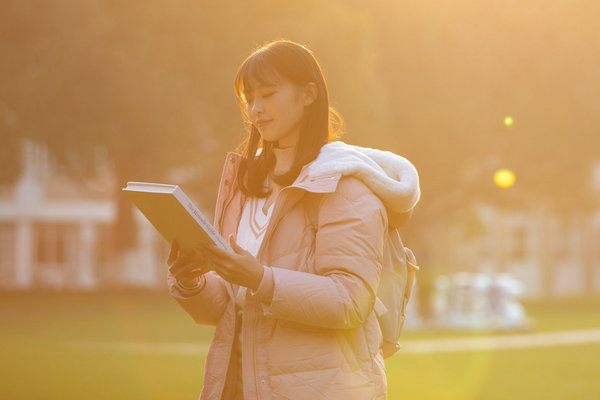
241, 268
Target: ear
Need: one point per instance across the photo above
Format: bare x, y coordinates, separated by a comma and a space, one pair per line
310, 93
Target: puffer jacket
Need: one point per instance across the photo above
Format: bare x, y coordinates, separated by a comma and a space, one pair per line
318, 336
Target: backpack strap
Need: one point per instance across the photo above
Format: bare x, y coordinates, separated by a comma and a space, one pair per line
395, 290
411, 263
412, 269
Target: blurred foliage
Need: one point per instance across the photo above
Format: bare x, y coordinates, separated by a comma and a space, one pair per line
150, 84
460, 67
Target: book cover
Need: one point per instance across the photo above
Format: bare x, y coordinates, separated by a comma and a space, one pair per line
173, 214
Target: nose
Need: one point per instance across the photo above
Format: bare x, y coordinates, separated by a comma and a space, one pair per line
256, 108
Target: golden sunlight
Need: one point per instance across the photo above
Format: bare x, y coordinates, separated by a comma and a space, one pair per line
504, 178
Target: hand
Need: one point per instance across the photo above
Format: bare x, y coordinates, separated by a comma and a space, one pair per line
187, 266
241, 268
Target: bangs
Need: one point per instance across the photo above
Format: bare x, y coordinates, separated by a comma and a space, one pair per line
256, 71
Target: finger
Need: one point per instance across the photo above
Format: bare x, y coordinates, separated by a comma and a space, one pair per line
178, 268
186, 258
236, 247
187, 269
191, 274
226, 270
214, 251
227, 275
220, 265
173, 253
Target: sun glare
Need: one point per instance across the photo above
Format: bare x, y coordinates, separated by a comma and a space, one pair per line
504, 178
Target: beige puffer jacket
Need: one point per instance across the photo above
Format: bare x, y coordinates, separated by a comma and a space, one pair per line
318, 337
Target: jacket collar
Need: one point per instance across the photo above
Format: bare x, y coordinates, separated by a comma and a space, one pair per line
326, 183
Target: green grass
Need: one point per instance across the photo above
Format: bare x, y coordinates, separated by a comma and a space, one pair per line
537, 373
40, 359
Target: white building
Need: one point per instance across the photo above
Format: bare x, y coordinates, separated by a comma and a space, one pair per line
550, 254
55, 233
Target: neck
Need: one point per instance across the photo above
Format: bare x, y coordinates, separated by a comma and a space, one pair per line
284, 158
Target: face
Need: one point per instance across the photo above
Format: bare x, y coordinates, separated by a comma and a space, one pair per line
276, 110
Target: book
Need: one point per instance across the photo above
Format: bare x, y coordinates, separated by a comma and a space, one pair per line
173, 214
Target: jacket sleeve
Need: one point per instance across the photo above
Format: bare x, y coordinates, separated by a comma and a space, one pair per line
348, 252
207, 306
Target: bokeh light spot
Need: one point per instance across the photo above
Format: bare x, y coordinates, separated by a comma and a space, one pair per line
508, 120
504, 178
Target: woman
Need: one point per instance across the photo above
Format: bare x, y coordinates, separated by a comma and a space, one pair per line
306, 218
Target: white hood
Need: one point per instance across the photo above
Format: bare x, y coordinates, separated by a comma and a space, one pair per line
391, 177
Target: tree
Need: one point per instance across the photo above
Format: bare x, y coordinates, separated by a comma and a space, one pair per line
455, 70
149, 87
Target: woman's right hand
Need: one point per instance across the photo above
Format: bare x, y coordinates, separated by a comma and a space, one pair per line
187, 266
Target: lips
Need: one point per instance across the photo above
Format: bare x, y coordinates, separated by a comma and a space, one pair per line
262, 122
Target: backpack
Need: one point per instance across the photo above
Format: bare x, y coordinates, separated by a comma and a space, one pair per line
395, 286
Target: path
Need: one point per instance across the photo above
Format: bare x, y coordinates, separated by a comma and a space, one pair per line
499, 342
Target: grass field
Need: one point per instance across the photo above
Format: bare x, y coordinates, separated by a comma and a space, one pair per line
52, 347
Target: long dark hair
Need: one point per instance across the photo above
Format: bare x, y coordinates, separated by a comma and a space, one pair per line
277, 60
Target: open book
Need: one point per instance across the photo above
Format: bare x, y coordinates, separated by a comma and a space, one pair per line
173, 214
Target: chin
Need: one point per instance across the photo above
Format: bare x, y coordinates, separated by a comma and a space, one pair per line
266, 138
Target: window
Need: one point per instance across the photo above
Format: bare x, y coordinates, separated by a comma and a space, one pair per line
55, 253
518, 248
7, 253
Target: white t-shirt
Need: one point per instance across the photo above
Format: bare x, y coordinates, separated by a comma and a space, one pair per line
251, 232
253, 224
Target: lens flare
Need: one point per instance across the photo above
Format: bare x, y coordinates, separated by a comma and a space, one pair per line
504, 178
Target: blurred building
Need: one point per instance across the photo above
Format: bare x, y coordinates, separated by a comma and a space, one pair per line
55, 232
551, 254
